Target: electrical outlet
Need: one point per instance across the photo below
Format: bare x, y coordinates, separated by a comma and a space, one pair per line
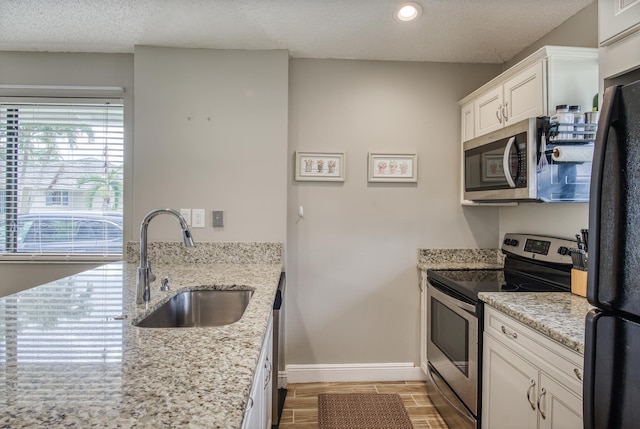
186, 214
197, 216
218, 219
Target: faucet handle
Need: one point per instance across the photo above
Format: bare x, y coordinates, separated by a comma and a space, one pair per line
152, 277
164, 287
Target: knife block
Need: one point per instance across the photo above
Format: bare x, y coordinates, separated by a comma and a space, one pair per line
579, 282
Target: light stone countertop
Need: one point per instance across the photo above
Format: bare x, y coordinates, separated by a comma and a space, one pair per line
557, 315
66, 360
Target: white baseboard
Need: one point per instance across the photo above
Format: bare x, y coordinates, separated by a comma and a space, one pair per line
358, 372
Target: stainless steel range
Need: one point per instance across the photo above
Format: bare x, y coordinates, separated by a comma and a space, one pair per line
533, 263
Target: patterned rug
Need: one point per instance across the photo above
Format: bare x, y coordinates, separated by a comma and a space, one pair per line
362, 411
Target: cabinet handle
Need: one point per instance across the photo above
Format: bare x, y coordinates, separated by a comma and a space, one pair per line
267, 377
499, 113
529, 390
505, 111
542, 414
578, 374
511, 334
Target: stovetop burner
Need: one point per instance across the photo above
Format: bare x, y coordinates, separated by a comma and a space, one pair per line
532, 264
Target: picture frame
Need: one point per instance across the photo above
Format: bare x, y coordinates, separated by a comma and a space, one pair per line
320, 166
492, 168
393, 167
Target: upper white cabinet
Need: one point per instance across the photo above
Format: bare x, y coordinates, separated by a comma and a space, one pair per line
619, 37
520, 97
466, 121
552, 75
617, 19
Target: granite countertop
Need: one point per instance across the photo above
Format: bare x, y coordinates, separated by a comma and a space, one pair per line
557, 315
68, 359
459, 259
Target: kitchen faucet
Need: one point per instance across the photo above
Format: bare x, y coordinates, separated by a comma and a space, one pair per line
145, 276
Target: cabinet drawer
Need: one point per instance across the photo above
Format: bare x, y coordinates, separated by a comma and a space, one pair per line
557, 360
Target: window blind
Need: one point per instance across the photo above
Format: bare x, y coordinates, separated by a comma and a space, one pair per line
61, 177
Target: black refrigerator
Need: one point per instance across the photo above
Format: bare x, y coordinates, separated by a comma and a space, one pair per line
612, 336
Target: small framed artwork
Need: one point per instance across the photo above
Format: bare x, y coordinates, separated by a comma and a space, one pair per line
319, 166
492, 168
391, 167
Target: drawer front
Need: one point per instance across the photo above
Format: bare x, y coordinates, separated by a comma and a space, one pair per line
557, 360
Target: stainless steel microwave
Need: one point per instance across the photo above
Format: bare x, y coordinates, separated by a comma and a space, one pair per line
503, 166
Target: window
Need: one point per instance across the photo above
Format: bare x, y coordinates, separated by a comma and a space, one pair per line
57, 198
61, 165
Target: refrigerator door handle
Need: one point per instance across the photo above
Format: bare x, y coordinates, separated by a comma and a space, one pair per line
608, 117
588, 394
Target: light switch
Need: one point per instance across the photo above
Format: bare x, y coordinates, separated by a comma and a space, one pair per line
218, 219
197, 217
186, 214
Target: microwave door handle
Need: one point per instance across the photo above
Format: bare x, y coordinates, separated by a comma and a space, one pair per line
505, 162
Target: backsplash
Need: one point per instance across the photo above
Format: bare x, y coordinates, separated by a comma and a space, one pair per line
168, 252
455, 256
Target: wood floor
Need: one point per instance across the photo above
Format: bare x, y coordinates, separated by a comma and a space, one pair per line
301, 406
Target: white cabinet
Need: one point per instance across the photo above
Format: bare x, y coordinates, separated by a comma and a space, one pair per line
552, 75
518, 98
619, 37
467, 122
529, 381
258, 412
617, 19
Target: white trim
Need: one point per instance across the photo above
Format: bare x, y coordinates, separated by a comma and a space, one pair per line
357, 372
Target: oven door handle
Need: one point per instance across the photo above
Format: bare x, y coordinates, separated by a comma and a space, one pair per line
505, 162
452, 302
465, 413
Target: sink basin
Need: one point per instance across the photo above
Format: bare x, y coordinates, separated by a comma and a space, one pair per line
199, 308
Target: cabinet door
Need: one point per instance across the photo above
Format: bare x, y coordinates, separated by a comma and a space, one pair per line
268, 378
617, 19
509, 388
524, 95
466, 122
560, 407
254, 413
487, 110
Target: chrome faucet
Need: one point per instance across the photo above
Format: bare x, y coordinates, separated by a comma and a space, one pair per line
145, 276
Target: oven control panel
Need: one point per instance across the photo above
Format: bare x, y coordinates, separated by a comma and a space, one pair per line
539, 247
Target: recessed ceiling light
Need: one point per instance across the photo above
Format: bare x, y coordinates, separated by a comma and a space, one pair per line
408, 11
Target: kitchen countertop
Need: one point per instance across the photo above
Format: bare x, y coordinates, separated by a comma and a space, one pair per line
557, 315
68, 360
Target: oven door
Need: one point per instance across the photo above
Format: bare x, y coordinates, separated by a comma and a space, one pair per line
452, 344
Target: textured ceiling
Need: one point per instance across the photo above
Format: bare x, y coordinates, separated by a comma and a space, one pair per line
488, 31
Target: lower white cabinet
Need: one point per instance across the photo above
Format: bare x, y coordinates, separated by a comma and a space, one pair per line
258, 412
529, 381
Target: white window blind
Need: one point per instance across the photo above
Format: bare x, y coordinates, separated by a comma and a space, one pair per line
61, 168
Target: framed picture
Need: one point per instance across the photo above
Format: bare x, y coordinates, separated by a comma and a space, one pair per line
388, 167
318, 166
492, 168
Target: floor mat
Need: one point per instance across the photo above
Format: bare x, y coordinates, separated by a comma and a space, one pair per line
362, 411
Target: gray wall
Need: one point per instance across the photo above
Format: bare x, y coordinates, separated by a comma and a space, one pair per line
31, 68
211, 133
581, 30
561, 219
352, 281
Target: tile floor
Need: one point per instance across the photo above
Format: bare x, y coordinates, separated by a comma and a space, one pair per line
301, 406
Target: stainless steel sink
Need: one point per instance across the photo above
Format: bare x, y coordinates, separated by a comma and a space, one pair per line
199, 308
